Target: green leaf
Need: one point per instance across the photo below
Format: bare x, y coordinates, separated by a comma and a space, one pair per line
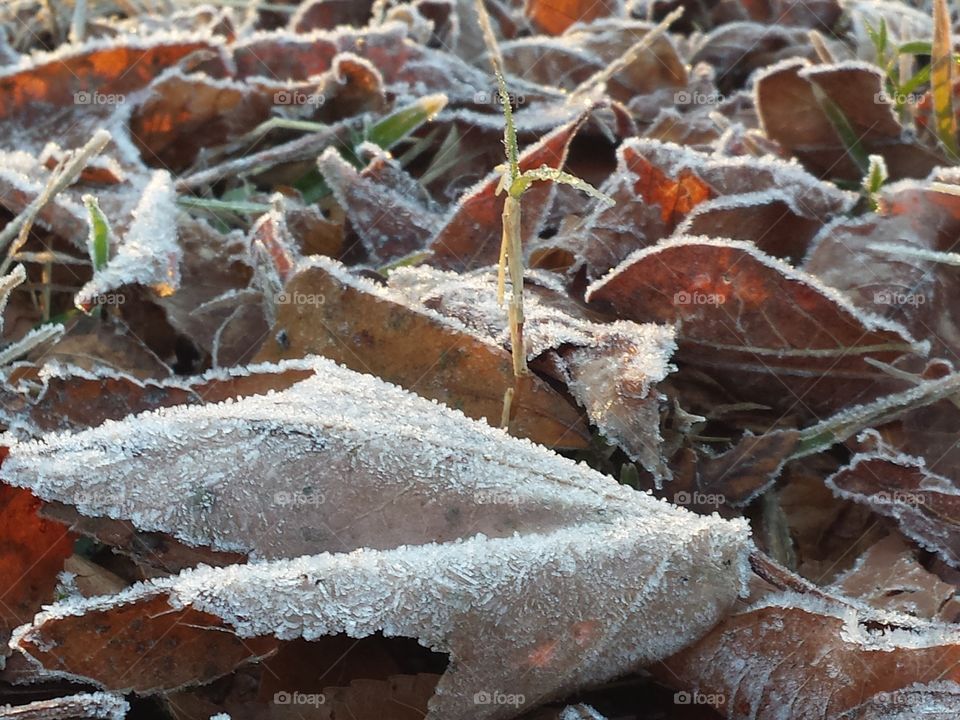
558, 176
397, 125
98, 241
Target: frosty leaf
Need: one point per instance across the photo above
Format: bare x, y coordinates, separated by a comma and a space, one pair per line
742, 472
212, 264
388, 220
437, 477
470, 235
171, 646
74, 88
584, 51
746, 315
149, 253
889, 577
184, 113
657, 185
496, 637
554, 17
925, 504
83, 706
32, 551
791, 114
610, 369
909, 287
324, 310
72, 399
815, 647
328, 14
774, 221
927, 701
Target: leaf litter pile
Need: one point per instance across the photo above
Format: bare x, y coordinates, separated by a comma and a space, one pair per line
545, 359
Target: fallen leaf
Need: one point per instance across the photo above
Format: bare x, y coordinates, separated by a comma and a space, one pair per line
32, 553
792, 114
555, 16
745, 315
611, 369
324, 310
466, 513
832, 654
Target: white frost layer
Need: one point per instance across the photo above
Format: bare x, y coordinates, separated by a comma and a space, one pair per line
535, 615
294, 472
91, 706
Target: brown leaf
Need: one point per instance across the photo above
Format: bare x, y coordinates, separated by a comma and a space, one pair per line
586, 50
883, 262
660, 188
612, 370
470, 237
382, 204
555, 16
756, 323
792, 115
925, 505
833, 655
152, 646
325, 311
32, 552
71, 399
888, 577
415, 489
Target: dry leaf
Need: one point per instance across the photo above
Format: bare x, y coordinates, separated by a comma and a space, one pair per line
627, 579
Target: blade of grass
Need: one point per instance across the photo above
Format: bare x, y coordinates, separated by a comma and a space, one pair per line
941, 79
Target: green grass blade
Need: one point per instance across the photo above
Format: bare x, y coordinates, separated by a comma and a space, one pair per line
397, 125
98, 242
844, 129
941, 78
